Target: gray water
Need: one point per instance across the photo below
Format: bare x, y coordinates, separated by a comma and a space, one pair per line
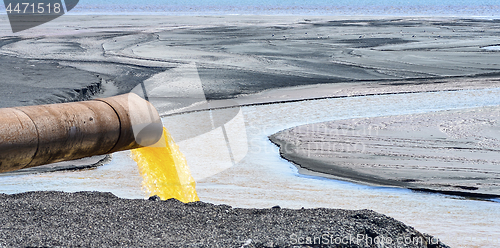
489, 8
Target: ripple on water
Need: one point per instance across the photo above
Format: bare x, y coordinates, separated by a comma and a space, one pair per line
492, 48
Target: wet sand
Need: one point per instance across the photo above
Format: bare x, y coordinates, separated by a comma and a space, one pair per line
453, 152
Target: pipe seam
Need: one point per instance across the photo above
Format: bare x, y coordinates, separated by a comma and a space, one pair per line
37, 136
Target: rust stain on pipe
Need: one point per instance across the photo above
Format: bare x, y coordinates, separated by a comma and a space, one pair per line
37, 135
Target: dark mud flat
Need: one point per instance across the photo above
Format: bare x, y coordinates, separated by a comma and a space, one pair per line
32, 82
94, 219
235, 56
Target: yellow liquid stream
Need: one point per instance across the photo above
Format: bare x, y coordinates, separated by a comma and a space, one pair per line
164, 170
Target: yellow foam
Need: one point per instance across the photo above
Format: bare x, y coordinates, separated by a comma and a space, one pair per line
164, 170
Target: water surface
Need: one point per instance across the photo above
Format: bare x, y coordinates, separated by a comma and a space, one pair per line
292, 7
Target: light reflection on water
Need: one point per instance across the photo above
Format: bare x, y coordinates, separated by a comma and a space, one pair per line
492, 48
235, 164
120, 176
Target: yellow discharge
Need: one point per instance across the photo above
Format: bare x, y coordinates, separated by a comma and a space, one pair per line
164, 170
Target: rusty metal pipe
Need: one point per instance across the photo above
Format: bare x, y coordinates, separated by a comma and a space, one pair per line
37, 135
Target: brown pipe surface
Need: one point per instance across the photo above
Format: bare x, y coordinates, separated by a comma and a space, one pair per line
37, 135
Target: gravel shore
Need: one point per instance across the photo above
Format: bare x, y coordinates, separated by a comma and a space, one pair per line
97, 219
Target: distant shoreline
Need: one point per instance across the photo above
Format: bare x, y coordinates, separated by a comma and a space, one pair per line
421, 9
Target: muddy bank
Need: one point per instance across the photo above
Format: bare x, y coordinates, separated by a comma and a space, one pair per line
94, 219
237, 56
452, 152
79, 164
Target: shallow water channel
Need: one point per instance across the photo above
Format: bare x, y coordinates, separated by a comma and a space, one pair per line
234, 163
